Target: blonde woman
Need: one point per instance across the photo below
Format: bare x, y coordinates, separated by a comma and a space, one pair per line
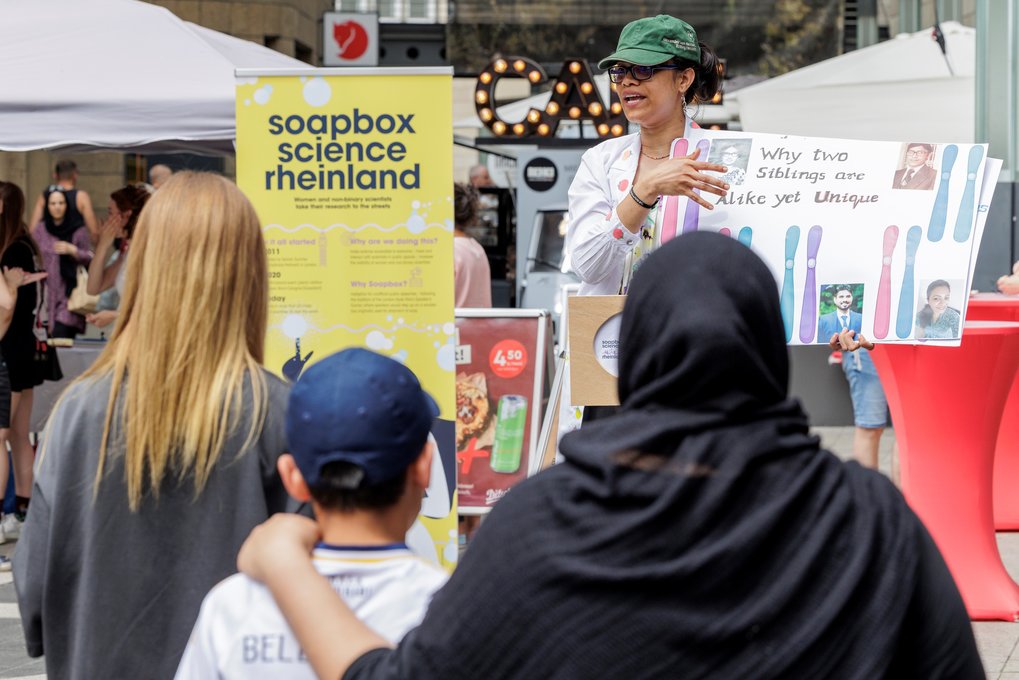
160, 459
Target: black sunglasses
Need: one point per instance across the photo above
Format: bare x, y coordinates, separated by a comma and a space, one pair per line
617, 73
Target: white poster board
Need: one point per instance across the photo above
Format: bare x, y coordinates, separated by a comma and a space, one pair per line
876, 235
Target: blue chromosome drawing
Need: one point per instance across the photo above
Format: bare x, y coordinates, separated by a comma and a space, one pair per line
746, 236
792, 241
939, 215
964, 222
904, 316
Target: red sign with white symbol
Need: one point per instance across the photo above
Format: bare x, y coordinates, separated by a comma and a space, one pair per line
350, 39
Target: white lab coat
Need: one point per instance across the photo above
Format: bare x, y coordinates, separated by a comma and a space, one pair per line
597, 241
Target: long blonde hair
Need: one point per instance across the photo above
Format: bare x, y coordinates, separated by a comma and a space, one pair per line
191, 330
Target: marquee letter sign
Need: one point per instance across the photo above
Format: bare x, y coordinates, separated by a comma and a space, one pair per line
574, 97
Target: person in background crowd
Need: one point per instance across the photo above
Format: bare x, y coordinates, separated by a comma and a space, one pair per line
8, 298
158, 174
936, 319
160, 459
18, 252
13, 278
1009, 284
103, 273
79, 208
63, 246
472, 275
479, 177
870, 408
698, 532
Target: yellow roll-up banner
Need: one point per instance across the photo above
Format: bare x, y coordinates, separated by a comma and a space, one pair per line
351, 172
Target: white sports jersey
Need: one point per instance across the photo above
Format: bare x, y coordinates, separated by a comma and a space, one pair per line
240, 632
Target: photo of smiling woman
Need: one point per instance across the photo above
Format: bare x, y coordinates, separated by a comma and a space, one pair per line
936, 319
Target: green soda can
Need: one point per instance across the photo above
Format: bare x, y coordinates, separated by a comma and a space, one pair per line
511, 420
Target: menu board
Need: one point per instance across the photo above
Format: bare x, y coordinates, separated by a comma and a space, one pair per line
501, 364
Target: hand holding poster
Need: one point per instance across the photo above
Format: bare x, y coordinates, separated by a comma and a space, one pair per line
873, 236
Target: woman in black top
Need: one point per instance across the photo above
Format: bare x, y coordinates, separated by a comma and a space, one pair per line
19, 252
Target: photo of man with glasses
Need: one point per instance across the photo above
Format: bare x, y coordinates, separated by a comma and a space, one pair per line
916, 174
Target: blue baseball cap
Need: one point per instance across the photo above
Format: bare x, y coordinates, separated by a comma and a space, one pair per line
362, 408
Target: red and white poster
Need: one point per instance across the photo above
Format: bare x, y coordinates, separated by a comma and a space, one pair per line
350, 39
501, 360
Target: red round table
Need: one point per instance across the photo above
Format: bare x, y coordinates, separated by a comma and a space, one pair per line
946, 404
1000, 307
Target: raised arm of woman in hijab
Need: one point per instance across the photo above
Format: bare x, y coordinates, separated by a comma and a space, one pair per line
278, 554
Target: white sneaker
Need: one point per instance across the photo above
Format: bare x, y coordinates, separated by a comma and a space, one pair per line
10, 527
5, 563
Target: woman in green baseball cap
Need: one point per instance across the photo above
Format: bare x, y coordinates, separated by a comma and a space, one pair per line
658, 69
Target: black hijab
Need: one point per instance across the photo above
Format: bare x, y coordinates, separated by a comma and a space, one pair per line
62, 232
699, 532
790, 563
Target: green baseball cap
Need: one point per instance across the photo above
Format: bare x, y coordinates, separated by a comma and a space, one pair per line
653, 40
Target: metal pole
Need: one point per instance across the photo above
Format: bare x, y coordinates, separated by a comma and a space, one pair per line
909, 16
997, 76
950, 10
997, 124
866, 23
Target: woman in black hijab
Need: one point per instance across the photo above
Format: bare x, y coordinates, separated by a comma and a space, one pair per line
698, 532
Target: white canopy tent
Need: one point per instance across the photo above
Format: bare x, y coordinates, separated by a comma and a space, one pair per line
118, 74
896, 90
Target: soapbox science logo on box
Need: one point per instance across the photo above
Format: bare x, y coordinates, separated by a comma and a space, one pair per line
350, 39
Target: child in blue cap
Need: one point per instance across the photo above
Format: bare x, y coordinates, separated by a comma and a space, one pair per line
357, 429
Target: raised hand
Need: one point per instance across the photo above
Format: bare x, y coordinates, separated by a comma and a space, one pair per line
680, 176
847, 341
111, 229
283, 536
1009, 285
103, 318
65, 248
14, 277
